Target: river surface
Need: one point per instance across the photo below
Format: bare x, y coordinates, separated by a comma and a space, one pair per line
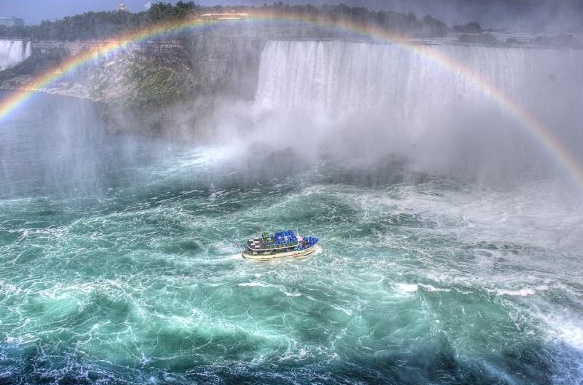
120, 264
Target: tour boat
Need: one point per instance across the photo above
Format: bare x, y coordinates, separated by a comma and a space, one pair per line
282, 244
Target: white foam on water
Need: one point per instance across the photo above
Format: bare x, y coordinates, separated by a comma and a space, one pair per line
256, 284
536, 214
232, 257
9, 288
342, 309
525, 292
406, 288
280, 288
432, 288
67, 290
565, 326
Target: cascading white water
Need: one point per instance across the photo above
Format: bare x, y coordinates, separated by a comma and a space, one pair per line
342, 77
27, 50
442, 104
13, 52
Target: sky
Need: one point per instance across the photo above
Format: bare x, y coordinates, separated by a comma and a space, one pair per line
546, 15
35, 11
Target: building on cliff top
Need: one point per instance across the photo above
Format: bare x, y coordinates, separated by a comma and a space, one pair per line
225, 16
11, 21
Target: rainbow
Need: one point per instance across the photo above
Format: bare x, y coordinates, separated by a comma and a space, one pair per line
527, 119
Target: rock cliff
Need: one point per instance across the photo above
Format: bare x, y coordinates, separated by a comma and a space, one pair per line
142, 86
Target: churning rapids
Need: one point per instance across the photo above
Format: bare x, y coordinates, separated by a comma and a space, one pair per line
451, 236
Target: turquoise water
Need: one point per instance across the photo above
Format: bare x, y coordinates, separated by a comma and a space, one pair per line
120, 264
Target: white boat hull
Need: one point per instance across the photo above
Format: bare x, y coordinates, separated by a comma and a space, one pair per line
271, 256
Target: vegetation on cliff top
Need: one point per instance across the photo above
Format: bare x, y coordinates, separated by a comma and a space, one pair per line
99, 25
102, 25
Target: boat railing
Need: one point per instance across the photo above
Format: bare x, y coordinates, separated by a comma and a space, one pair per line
286, 239
280, 239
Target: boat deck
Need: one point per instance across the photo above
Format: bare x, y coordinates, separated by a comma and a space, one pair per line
281, 244
258, 245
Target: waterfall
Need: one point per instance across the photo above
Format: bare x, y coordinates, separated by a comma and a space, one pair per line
27, 50
450, 103
13, 52
337, 77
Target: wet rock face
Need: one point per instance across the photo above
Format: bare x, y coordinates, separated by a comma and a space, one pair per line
142, 83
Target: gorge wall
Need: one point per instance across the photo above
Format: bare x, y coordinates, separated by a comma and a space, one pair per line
143, 85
